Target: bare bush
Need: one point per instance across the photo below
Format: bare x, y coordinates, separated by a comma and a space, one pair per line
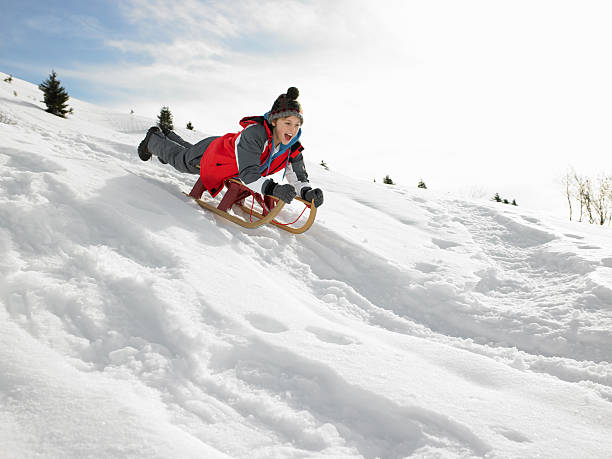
592, 196
602, 201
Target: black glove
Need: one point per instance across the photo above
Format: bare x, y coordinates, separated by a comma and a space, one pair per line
310, 195
284, 192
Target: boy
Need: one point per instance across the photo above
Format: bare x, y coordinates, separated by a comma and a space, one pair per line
267, 144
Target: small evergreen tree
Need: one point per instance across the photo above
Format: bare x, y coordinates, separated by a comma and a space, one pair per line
496, 198
422, 185
324, 165
189, 126
9, 79
165, 120
55, 96
514, 202
387, 180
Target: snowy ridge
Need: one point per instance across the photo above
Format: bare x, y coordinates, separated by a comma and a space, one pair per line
402, 324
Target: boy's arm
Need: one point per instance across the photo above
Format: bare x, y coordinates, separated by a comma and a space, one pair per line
298, 177
296, 174
249, 146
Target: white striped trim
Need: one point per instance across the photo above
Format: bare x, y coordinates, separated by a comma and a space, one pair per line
257, 185
236, 145
291, 177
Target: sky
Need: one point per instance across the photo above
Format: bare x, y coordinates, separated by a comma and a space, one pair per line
472, 97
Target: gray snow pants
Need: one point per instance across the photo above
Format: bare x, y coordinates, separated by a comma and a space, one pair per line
180, 154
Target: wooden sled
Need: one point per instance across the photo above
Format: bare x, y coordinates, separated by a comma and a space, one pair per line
235, 194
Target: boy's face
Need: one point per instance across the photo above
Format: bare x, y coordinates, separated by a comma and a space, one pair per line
286, 129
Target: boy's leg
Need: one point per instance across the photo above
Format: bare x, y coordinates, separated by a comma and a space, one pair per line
178, 139
171, 152
193, 155
175, 138
143, 151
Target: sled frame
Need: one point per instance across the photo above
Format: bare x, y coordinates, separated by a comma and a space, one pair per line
236, 193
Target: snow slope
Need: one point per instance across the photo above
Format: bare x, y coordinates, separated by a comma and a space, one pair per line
402, 324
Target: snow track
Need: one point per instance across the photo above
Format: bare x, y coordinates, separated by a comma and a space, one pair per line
400, 325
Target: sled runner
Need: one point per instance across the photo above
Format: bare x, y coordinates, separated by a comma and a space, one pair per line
269, 207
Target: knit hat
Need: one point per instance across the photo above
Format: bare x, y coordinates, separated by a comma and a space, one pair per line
286, 105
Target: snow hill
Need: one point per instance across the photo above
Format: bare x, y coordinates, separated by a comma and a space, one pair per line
133, 324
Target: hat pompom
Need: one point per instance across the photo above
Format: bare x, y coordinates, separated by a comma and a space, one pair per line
286, 105
292, 93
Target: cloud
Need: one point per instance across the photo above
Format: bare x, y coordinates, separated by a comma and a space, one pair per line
66, 25
451, 92
235, 58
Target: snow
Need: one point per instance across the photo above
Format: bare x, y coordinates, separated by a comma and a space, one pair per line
404, 323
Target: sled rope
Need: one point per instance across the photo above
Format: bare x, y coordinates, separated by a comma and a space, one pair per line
236, 195
287, 224
252, 205
268, 210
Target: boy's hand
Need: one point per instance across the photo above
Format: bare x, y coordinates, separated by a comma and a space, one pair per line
310, 195
284, 192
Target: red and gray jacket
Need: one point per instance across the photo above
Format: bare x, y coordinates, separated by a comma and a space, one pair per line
250, 156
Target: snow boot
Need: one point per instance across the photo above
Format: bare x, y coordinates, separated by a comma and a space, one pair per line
143, 151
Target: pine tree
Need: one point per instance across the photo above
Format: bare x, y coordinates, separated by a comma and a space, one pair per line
9, 79
422, 185
387, 180
514, 202
165, 120
189, 126
496, 198
55, 96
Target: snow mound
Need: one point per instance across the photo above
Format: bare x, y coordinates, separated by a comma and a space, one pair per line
402, 324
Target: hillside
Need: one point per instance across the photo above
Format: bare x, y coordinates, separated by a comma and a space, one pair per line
404, 323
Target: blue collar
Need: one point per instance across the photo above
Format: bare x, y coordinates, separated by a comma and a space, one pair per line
283, 148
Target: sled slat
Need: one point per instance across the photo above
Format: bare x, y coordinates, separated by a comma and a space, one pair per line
239, 221
298, 230
197, 190
235, 194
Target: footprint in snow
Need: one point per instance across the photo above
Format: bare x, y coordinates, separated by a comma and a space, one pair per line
574, 236
426, 267
531, 219
407, 221
266, 323
511, 434
607, 262
433, 211
444, 244
332, 337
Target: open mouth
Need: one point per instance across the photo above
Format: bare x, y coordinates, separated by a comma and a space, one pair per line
288, 137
